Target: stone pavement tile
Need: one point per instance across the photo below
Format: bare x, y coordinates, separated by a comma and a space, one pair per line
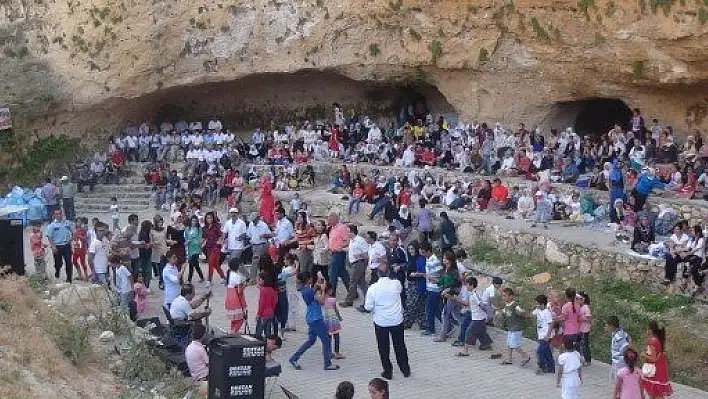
437, 373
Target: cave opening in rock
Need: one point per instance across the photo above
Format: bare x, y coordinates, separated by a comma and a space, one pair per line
592, 117
264, 99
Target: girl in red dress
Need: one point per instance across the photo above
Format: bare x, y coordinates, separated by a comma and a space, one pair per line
266, 208
79, 244
333, 145
656, 386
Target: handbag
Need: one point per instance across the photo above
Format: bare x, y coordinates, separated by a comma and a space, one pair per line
649, 370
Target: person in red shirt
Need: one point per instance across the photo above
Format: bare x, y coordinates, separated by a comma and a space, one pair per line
267, 301
404, 197
523, 164
301, 157
500, 196
369, 190
357, 197
428, 157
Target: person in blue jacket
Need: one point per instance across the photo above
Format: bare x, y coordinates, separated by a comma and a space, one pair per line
647, 182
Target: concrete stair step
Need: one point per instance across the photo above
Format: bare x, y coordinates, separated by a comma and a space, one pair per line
105, 208
106, 202
111, 188
119, 195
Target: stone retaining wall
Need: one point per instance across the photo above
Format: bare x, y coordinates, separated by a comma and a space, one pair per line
579, 260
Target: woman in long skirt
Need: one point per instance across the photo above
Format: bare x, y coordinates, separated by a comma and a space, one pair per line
415, 292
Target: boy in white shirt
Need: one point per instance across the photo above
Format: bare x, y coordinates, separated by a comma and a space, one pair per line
544, 324
124, 285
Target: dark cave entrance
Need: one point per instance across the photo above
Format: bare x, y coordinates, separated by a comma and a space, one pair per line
261, 100
592, 117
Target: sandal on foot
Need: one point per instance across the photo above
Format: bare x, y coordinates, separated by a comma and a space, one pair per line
496, 356
295, 365
462, 354
506, 362
526, 361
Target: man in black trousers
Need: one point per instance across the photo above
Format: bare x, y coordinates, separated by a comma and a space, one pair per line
383, 300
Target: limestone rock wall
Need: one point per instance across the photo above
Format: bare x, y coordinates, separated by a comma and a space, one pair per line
82, 67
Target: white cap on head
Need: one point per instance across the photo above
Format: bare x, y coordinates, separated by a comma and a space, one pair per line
233, 210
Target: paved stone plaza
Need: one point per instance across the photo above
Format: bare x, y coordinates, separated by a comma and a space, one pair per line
436, 372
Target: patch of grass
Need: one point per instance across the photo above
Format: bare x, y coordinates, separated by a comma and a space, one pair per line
33, 162
141, 364
483, 55
585, 5
21, 52
538, 30
702, 15
643, 6
599, 39
436, 50
611, 8
395, 5
632, 303
374, 49
45, 97
664, 4
71, 339
419, 74
414, 34
472, 9
638, 69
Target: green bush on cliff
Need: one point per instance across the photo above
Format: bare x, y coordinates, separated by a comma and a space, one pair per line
32, 163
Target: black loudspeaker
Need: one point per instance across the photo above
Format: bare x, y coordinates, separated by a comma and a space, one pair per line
12, 245
236, 368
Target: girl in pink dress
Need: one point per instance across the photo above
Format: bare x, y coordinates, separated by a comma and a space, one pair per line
141, 293
627, 385
656, 386
333, 320
266, 209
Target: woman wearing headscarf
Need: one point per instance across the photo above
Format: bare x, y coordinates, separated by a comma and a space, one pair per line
643, 235
616, 182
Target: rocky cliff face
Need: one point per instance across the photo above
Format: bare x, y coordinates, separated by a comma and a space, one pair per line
86, 66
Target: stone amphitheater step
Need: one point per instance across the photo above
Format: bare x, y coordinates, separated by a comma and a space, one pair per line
123, 201
119, 195
123, 187
105, 208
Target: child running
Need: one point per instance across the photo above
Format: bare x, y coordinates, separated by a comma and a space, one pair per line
314, 298
619, 342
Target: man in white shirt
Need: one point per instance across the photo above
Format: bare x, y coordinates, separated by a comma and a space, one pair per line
170, 279
383, 300
258, 233
234, 230
284, 231
358, 254
183, 307
377, 254
98, 254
